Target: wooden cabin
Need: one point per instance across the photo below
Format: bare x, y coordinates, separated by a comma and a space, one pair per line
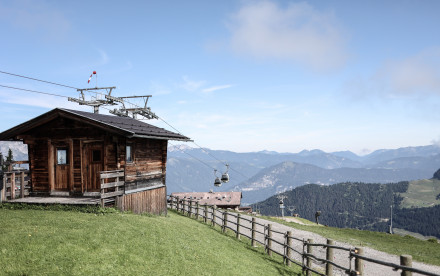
74, 153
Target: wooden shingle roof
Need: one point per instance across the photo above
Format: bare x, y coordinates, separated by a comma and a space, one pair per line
126, 126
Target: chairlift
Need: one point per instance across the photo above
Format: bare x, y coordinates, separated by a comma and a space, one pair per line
225, 175
217, 181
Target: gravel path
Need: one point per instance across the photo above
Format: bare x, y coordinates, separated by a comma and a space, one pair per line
340, 257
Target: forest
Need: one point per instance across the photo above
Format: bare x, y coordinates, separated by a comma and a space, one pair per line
357, 205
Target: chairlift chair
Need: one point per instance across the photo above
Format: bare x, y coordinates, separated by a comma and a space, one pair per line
225, 175
217, 181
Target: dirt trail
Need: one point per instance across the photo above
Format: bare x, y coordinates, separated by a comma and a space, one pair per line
340, 257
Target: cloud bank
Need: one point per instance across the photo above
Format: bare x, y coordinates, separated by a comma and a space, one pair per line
297, 33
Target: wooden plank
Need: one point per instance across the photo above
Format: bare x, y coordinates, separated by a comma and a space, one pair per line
51, 165
151, 201
82, 164
13, 186
111, 175
112, 184
22, 185
112, 194
3, 191
71, 150
21, 162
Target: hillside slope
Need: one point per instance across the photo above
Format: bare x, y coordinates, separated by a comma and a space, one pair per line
35, 242
358, 205
289, 175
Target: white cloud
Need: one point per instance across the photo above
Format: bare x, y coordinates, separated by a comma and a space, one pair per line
415, 75
297, 33
215, 88
191, 85
200, 86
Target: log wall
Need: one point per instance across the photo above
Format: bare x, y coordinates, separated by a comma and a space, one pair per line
149, 160
147, 169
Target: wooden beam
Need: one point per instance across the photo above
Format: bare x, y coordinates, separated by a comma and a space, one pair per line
111, 194
51, 165
22, 185
112, 184
71, 167
81, 156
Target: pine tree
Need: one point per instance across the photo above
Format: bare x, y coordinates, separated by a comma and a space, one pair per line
9, 160
2, 162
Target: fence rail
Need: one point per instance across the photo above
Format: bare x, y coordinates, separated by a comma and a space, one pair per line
281, 243
15, 184
111, 190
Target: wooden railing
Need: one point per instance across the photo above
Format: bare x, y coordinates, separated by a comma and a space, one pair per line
15, 184
111, 190
282, 243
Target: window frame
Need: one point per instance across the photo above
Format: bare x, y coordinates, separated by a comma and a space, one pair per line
129, 158
93, 156
66, 162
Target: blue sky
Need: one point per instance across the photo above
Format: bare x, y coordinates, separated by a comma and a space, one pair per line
238, 75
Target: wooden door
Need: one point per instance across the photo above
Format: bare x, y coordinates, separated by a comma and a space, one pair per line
62, 168
93, 164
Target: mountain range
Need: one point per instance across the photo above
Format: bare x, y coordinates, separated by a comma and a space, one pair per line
262, 174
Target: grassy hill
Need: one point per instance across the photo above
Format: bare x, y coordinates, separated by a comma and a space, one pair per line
421, 193
420, 250
36, 242
365, 206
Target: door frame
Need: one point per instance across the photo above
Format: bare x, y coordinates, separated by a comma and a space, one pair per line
52, 163
86, 157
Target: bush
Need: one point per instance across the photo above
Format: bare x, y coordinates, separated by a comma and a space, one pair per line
433, 240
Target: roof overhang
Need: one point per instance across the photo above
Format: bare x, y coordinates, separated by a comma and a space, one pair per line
13, 133
160, 137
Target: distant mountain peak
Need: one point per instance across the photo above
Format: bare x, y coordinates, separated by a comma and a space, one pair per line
268, 152
180, 147
311, 152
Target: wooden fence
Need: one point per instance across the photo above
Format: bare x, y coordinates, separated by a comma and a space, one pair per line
15, 184
111, 190
292, 249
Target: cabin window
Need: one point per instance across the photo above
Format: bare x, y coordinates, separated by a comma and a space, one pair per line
96, 156
129, 154
61, 156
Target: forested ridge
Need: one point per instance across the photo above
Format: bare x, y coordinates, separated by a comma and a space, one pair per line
357, 205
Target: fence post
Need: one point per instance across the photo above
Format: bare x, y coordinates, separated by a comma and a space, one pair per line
189, 208
13, 186
253, 233
225, 219
206, 214
288, 249
197, 210
178, 204
3, 191
358, 262
309, 259
329, 257
22, 184
269, 239
184, 207
238, 226
406, 260
213, 216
